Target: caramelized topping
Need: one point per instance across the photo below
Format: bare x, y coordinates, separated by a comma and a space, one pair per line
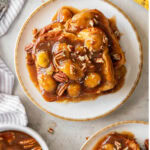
117, 141
76, 56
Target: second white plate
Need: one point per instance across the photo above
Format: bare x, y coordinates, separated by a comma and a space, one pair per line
138, 128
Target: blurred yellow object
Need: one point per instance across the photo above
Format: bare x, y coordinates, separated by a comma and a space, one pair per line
144, 3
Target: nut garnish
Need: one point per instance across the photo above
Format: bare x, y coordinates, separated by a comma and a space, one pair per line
50, 130
116, 56
117, 34
27, 141
61, 88
96, 22
96, 16
91, 22
99, 60
72, 69
105, 39
35, 33
29, 48
118, 145
70, 48
83, 67
59, 55
81, 58
60, 77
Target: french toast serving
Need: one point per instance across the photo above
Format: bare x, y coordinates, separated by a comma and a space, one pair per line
77, 56
117, 141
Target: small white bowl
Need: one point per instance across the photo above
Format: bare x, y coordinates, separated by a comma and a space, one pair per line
29, 131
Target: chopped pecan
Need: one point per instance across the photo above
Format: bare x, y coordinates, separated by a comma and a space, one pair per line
81, 58
116, 56
29, 48
59, 55
83, 67
60, 77
99, 60
96, 16
50, 130
61, 88
70, 48
35, 33
118, 145
117, 34
96, 22
91, 22
87, 138
72, 69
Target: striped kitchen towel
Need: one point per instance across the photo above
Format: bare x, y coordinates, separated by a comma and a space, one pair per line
11, 109
9, 15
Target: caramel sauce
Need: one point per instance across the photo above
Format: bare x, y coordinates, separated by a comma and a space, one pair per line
15, 140
85, 94
48, 96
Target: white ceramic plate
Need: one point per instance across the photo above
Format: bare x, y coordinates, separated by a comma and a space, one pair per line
29, 131
86, 110
138, 128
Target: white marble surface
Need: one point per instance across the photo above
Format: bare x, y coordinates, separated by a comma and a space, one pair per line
71, 135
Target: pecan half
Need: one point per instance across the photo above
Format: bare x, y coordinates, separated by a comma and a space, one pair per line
29, 48
61, 88
60, 77
59, 55
27, 142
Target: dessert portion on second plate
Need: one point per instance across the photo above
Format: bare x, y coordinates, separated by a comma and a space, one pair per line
117, 141
77, 56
